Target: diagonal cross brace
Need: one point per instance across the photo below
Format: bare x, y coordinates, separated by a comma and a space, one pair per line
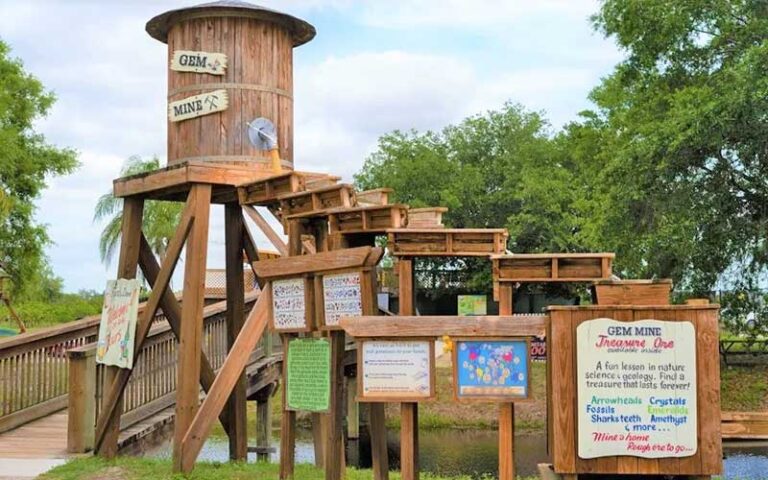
172, 310
109, 407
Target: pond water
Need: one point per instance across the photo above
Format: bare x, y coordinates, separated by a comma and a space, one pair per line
474, 452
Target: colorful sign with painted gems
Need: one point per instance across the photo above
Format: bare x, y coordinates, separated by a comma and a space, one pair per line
117, 330
636, 388
491, 368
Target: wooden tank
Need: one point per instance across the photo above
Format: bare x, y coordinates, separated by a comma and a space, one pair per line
258, 79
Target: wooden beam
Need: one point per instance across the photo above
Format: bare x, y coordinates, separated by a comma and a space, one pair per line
287, 426
130, 234
191, 341
320, 262
236, 405
334, 447
230, 372
507, 410
265, 227
431, 326
172, 311
409, 441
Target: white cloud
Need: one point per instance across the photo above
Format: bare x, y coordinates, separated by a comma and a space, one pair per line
463, 14
110, 78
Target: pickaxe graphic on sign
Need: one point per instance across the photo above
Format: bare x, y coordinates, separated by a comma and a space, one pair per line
210, 100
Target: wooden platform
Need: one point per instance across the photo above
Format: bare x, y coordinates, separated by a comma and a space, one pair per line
552, 267
377, 196
447, 242
173, 182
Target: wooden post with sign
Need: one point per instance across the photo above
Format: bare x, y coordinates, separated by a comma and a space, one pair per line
498, 343
307, 293
635, 390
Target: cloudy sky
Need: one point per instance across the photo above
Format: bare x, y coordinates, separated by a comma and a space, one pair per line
375, 66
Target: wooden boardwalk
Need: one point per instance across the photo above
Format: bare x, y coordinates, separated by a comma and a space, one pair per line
43, 438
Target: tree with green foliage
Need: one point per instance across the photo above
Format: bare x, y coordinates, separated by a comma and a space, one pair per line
160, 217
498, 169
676, 150
27, 161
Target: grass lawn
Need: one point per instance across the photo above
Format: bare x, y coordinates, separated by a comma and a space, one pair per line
744, 388
130, 468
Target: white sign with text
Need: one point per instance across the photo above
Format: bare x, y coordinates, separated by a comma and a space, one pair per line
393, 369
636, 388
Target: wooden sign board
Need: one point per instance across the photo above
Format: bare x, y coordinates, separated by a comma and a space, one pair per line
491, 369
199, 62
636, 385
308, 375
198, 105
117, 329
396, 370
291, 302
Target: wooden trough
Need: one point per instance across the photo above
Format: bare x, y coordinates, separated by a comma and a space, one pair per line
632, 292
368, 219
457, 242
552, 267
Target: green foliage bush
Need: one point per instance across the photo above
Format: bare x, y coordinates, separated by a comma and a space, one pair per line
66, 308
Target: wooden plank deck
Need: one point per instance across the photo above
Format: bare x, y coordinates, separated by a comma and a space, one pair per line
43, 438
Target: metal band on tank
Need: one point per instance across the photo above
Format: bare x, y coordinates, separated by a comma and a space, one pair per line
232, 158
232, 86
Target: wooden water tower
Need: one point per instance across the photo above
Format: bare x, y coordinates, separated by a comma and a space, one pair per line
230, 62
257, 46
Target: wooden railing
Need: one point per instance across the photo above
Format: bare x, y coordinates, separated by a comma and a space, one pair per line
34, 371
152, 386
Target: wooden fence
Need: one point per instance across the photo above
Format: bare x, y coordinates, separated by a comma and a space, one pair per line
34, 370
152, 386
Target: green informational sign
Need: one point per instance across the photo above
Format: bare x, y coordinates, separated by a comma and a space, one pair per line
471, 305
308, 382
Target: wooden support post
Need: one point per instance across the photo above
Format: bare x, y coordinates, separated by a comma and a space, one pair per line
506, 410
130, 240
81, 415
507, 441
222, 387
334, 446
378, 431
409, 441
191, 341
263, 427
409, 412
405, 290
319, 427
288, 419
287, 425
236, 405
353, 409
